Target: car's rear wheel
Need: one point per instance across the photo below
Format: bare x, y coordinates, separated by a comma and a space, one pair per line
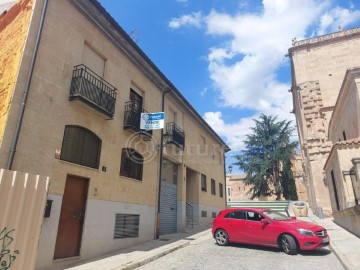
288, 244
221, 237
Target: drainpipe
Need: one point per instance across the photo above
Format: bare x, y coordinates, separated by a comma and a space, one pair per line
160, 167
27, 87
225, 188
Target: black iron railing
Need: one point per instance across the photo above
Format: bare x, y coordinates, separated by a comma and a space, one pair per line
132, 117
91, 89
175, 135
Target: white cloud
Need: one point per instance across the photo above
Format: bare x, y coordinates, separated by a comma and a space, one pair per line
244, 68
261, 40
193, 19
234, 133
337, 17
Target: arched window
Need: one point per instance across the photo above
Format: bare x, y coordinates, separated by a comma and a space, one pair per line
81, 146
131, 164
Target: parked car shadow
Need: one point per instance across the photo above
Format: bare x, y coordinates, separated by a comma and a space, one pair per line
319, 252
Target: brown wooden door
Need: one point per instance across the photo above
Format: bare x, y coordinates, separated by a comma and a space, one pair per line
72, 216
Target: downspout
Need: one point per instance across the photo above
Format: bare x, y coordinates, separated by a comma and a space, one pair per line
26, 92
225, 188
160, 167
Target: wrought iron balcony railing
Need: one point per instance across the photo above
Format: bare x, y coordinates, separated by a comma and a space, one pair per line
175, 135
132, 117
91, 89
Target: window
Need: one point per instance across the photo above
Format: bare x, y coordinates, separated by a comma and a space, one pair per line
335, 190
93, 60
202, 145
344, 135
131, 164
203, 213
136, 101
213, 214
203, 182
126, 226
172, 116
253, 216
81, 146
221, 191
213, 188
236, 215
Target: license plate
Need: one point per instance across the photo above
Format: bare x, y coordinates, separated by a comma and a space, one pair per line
325, 240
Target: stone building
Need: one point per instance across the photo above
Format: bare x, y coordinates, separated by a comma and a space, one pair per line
342, 168
73, 86
236, 190
298, 173
319, 66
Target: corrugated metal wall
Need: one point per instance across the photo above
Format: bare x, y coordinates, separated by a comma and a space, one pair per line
22, 203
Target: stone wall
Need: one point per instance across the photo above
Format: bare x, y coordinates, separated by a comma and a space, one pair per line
349, 219
13, 32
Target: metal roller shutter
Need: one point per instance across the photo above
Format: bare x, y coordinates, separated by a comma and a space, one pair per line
168, 210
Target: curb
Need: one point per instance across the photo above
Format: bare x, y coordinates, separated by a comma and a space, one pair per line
166, 251
344, 262
152, 258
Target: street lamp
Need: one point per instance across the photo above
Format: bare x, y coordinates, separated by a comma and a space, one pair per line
230, 168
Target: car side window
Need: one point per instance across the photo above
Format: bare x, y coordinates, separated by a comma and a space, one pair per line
254, 216
236, 215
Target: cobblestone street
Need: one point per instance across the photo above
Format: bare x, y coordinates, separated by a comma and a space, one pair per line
205, 254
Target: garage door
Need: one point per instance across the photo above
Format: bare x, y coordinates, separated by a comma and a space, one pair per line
167, 208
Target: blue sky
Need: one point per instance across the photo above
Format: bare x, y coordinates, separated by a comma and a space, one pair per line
227, 57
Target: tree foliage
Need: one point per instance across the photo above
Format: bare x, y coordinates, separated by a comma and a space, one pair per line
267, 157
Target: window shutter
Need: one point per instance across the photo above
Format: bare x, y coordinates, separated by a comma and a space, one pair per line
81, 146
126, 225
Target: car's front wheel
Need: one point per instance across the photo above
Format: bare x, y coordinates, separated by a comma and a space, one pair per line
221, 237
288, 244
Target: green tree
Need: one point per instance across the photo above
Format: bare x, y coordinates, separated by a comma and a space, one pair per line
288, 182
266, 159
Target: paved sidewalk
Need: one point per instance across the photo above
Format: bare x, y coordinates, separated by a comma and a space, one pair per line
138, 255
345, 245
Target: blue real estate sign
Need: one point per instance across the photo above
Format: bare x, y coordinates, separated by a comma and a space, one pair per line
152, 120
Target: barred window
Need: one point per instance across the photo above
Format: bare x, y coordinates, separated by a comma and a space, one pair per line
131, 164
81, 146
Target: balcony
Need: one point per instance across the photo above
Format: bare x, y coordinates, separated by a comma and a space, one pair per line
92, 90
132, 117
175, 135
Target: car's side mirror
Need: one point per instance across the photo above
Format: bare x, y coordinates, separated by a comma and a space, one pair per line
265, 221
293, 217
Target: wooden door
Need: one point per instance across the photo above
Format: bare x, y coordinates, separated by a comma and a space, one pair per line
72, 217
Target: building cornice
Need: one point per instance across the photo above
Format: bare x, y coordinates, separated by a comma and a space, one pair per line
97, 15
337, 145
336, 36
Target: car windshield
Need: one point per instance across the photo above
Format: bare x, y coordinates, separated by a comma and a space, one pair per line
275, 215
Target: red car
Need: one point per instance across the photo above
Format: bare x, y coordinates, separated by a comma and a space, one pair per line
261, 226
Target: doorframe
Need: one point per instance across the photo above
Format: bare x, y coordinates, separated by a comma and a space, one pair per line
87, 181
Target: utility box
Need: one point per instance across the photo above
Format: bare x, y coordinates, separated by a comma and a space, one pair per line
300, 209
